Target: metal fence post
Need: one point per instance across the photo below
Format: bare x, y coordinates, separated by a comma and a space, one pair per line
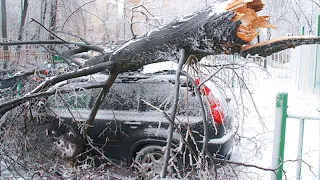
300, 146
279, 135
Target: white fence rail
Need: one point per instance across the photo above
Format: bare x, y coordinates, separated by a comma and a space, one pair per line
305, 68
255, 71
300, 66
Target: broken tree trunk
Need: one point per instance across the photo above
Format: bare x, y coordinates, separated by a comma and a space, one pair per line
224, 28
203, 33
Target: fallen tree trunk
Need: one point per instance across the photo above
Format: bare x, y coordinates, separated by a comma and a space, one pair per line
226, 27
204, 33
211, 31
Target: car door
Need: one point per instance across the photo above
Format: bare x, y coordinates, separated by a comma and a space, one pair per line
117, 115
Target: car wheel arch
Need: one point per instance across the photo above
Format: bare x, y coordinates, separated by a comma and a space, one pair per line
137, 146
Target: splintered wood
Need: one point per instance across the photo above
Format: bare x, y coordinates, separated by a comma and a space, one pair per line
246, 12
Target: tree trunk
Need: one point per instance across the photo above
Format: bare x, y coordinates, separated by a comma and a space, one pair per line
4, 32
52, 23
43, 12
53, 17
202, 34
23, 20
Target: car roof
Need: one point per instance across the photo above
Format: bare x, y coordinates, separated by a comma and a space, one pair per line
159, 67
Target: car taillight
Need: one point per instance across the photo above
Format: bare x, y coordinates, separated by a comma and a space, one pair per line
215, 106
216, 111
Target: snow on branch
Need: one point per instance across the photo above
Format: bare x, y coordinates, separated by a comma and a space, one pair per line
269, 47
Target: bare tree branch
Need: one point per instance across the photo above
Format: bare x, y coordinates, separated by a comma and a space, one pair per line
89, 47
269, 47
112, 77
173, 114
74, 35
33, 20
317, 3
11, 43
75, 12
6, 106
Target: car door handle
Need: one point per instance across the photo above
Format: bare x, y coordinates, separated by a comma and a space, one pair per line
132, 123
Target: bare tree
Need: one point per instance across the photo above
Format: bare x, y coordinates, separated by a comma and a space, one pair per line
44, 5
23, 19
290, 16
53, 17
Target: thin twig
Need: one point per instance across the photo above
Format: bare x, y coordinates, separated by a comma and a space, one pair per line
74, 35
11, 43
33, 20
75, 12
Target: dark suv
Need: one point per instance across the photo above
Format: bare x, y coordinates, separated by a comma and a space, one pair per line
130, 125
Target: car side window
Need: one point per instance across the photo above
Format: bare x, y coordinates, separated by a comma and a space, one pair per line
157, 93
74, 100
160, 95
122, 96
128, 96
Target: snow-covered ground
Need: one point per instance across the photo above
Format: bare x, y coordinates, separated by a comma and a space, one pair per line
255, 146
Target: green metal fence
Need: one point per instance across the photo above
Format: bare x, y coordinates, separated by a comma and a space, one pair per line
279, 133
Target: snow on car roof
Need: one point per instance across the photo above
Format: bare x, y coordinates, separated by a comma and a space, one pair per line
161, 66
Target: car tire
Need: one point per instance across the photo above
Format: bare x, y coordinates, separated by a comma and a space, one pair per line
149, 161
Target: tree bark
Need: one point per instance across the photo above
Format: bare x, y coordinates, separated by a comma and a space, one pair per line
53, 17
200, 34
267, 48
23, 20
106, 88
43, 12
4, 31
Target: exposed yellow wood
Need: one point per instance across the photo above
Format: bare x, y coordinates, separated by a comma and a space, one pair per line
246, 12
